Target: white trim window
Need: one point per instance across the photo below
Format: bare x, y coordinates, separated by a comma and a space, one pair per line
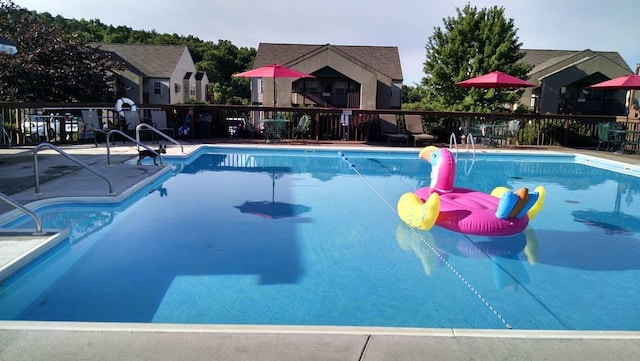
157, 88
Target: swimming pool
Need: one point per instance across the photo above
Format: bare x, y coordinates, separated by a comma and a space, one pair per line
310, 237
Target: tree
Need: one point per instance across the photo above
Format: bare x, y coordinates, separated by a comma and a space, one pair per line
471, 44
50, 66
220, 63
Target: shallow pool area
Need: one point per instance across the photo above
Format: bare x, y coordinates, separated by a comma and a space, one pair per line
275, 237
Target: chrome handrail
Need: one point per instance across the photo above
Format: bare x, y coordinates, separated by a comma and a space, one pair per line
147, 126
68, 156
29, 213
469, 138
131, 139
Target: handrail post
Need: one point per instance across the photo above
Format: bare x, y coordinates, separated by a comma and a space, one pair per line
26, 211
131, 139
71, 158
147, 126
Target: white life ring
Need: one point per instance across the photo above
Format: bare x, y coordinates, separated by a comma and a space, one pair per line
121, 102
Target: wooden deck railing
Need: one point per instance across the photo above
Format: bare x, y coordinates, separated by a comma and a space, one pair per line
210, 121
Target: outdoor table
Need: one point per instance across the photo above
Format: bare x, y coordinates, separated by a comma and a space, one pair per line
274, 129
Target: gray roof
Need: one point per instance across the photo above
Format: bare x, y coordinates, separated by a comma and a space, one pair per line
542, 59
384, 59
154, 61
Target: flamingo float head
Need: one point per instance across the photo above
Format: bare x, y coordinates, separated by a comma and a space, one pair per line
443, 167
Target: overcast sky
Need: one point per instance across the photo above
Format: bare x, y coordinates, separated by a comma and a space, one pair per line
612, 25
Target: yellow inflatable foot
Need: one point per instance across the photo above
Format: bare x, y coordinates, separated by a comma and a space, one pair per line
418, 214
537, 206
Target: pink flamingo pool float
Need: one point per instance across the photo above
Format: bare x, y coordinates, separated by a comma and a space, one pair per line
501, 213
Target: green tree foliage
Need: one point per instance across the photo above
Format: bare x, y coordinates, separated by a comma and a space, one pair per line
414, 98
473, 43
220, 62
50, 66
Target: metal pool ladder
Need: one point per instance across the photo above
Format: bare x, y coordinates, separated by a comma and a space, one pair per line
454, 144
26, 211
68, 156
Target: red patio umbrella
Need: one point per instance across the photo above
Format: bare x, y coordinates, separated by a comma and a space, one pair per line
495, 79
627, 82
273, 71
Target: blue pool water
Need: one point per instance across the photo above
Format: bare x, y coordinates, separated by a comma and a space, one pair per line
247, 236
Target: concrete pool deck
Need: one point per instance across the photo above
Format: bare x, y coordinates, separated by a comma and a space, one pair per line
61, 178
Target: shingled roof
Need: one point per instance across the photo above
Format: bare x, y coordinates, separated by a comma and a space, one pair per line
541, 59
154, 61
384, 59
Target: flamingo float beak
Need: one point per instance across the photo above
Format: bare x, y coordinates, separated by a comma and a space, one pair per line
426, 152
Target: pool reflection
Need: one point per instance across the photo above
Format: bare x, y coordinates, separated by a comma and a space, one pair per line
508, 269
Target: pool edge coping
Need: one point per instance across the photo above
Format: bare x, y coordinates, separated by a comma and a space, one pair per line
313, 330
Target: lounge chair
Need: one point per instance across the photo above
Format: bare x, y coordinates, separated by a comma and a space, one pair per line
415, 129
303, 124
389, 129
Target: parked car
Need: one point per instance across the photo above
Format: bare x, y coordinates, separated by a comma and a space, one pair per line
47, 127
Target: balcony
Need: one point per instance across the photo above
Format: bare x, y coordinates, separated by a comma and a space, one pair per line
326, 100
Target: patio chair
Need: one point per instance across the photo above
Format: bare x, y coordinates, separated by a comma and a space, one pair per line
159, 121
90, 119
415, 129
248, 130
91, 126
131, 119
610, 139
303, 124
389, 129
506, 133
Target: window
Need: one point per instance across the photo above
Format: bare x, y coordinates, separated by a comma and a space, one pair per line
157, 88
341, 87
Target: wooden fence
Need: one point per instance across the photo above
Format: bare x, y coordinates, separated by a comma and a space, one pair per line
216, 121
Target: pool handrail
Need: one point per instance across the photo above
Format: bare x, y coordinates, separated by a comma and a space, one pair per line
147, 126
131, 139
68, 156
26, 211
453, 143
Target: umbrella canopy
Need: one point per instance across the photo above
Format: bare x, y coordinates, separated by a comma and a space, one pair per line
7, 46
627, 82
495, 79
273, 71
